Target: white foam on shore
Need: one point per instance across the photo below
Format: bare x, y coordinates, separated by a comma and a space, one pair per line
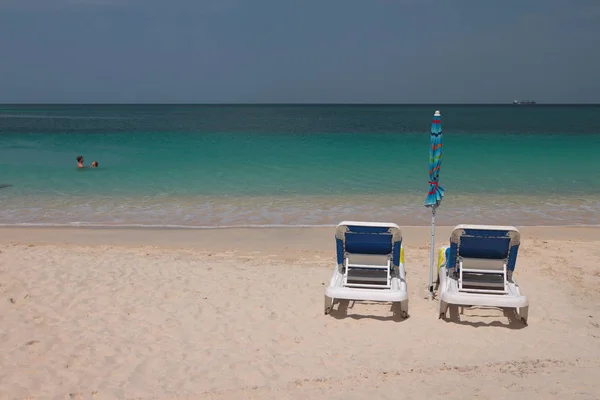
301, 211
242, 226
155, 226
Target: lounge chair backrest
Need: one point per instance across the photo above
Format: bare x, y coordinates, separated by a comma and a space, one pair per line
368, 238
484, 242
485, 264
494, 248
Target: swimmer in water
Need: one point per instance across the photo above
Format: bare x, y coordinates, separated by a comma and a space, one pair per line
80, 162
95, 164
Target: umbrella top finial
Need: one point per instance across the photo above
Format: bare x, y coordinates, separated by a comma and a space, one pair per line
437, 113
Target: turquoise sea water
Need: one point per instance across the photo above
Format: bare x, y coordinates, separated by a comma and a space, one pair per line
186, 165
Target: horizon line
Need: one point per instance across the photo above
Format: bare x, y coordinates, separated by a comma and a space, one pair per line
292, 104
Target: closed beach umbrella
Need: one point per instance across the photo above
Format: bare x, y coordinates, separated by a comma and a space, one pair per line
436, 192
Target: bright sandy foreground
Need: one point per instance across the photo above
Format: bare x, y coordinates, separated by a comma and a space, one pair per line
234, 314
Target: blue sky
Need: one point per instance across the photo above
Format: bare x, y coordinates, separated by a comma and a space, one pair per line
269, 51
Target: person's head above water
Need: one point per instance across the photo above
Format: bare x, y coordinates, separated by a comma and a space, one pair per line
95, 164
79, 161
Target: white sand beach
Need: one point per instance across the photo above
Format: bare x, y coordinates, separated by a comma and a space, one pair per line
238, 314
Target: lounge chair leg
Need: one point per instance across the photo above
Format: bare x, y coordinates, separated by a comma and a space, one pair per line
328, 304
404, 309
443, 309
524, 314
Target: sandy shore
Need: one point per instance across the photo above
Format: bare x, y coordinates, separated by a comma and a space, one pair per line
238, 313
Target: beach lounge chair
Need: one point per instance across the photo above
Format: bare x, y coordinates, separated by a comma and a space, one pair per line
477, 269
370, 265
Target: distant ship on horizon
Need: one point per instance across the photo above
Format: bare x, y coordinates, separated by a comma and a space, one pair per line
523, 102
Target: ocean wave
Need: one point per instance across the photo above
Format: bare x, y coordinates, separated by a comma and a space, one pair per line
242, 226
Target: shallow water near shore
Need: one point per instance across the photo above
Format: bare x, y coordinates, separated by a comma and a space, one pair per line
210, 166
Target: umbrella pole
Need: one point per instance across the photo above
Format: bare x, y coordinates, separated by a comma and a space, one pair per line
431, 257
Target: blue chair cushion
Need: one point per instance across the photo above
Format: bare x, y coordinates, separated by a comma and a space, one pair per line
484, 247
361, 243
